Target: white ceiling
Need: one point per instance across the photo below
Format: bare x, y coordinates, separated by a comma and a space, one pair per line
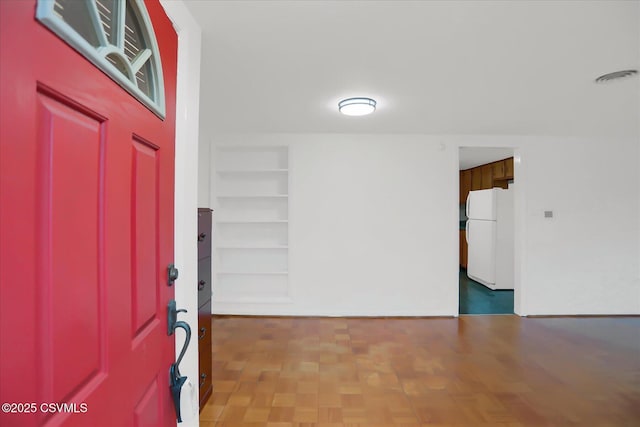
435, 67
475, 156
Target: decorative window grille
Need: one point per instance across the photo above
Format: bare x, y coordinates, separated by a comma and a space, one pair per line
117, 37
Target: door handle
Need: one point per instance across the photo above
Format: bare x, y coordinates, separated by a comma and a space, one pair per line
172, 274
201, 284
176, 379
201, 237
172, 319
466, 231
468, 205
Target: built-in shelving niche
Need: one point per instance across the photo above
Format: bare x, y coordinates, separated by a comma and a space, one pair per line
251, 185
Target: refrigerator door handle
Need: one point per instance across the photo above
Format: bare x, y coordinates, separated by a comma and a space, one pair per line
468, 205
466, 231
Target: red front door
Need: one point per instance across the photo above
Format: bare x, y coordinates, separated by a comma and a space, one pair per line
86, 234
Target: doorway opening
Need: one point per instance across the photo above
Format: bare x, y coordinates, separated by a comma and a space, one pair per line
486, 227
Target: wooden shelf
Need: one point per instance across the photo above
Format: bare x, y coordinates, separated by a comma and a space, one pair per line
252, 184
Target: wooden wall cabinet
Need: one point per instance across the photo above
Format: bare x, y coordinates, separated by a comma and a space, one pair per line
502, 172
205, 359
508, 168
465, 185
487, 176
476, 179
499, 170
495, 174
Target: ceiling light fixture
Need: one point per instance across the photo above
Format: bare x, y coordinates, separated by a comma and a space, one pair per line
357, 106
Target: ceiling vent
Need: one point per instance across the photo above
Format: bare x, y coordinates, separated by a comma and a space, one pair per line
616, 75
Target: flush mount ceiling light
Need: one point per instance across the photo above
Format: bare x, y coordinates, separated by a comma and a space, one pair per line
616, 75
357, 106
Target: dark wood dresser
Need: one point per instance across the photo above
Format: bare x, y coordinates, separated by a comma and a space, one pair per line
205, 364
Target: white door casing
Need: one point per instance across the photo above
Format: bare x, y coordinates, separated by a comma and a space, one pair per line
186, 184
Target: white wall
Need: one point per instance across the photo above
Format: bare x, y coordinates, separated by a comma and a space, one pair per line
204, 169
586, 257
366, 235
186, 194
206, 127
373, 224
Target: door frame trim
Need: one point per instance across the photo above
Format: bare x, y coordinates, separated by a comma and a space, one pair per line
519, 232
186, 185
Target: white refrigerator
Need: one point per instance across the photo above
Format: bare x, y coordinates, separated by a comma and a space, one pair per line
489, 235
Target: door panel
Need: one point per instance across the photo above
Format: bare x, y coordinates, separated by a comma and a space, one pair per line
147, 410
69, 142
481, 262
144, 266
481, 204
86, 219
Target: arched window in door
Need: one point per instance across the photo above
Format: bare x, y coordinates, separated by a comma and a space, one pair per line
117, 37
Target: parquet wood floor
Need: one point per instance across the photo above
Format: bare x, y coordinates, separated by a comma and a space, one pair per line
471, 371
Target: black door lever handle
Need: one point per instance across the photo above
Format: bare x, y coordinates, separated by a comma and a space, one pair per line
176, 379
172, 317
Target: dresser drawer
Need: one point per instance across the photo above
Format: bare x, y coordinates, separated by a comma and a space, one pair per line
204, 233
205, 364
204, 280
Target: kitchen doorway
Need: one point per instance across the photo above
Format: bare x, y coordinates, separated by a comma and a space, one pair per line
486, 227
